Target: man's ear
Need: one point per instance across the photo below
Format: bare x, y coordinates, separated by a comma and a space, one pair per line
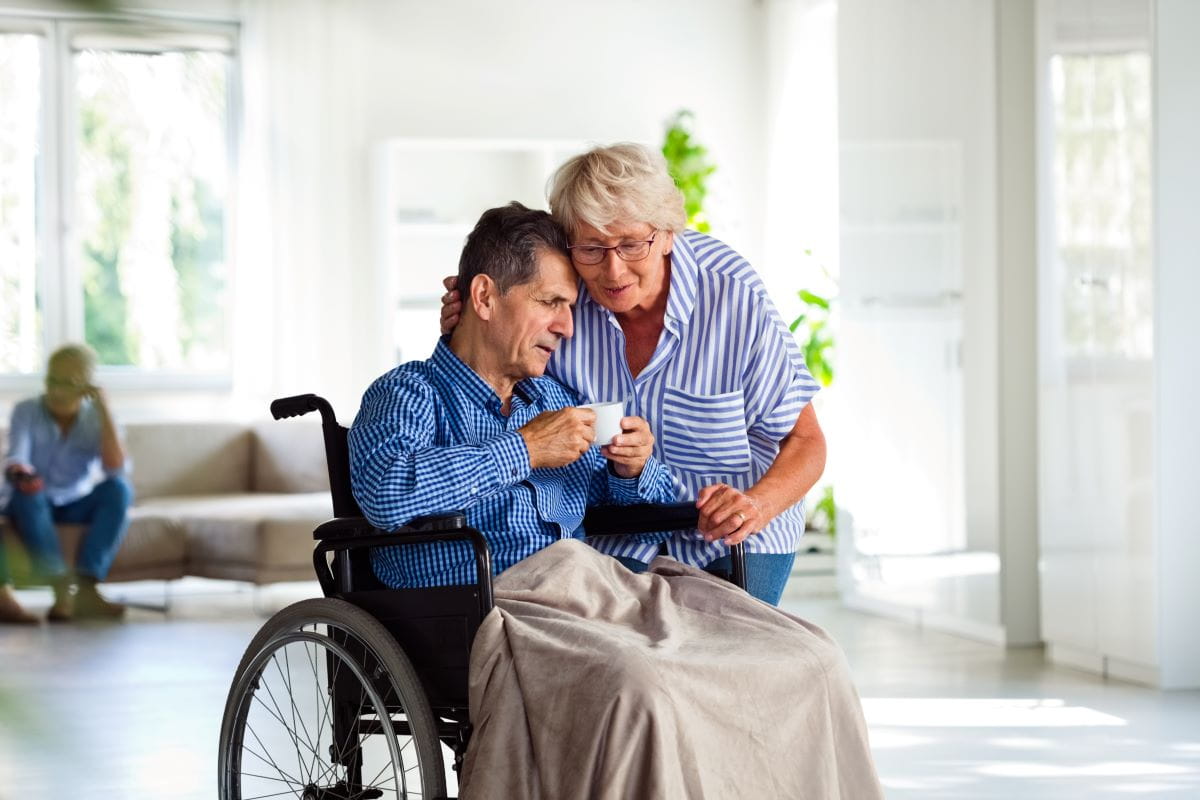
483, 296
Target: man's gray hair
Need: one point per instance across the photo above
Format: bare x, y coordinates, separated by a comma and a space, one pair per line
505, 245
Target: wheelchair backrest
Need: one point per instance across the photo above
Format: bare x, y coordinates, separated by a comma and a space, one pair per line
337, 451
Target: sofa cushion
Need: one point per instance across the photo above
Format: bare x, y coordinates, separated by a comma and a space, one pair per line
198, 458
154, 547
289, 456
243, 536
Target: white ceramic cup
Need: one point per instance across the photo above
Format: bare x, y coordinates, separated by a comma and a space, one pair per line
608, 420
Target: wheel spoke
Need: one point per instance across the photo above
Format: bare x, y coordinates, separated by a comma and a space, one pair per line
317, 695
277, 794
267, 759
278, 715
287, 683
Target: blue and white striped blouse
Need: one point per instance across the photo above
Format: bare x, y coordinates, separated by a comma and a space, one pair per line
430, 438
723, 388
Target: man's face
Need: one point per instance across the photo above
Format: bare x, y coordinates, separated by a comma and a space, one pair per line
532, 319
67, 382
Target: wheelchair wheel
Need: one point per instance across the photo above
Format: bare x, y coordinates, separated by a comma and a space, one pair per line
326, 705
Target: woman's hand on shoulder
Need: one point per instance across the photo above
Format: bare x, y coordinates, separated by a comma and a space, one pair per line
451, 304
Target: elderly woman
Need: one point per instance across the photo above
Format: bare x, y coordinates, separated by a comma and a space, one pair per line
679, 327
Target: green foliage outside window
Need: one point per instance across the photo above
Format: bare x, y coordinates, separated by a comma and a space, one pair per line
150, 161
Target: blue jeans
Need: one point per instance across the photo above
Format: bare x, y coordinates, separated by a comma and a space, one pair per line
104, 511
766, 573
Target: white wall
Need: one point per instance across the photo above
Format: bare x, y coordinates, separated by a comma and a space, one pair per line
1176, 335
367, 71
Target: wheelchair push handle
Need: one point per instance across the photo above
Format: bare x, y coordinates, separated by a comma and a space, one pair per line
300, 404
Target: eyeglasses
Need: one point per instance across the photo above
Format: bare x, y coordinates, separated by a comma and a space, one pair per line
591, 254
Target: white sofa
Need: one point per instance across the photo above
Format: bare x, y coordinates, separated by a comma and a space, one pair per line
216, 500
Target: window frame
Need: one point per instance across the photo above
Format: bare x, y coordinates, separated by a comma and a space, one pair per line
59, 270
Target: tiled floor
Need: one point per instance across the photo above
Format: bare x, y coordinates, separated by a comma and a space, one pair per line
133, 710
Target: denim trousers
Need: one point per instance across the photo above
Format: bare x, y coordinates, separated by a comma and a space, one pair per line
766, 573
104, 512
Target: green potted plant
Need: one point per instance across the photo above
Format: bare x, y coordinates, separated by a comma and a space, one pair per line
812, 329
687, 161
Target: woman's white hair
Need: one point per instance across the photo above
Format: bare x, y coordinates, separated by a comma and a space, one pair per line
624, 183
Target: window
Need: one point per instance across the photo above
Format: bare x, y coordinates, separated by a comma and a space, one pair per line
20, 135
115, 168
1102, 182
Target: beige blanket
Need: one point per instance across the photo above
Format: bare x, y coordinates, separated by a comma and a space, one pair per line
588, 681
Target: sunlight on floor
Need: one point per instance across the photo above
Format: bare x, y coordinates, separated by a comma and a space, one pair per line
938, 712
1103, 769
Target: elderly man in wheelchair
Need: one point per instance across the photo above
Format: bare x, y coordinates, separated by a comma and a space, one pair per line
571, 676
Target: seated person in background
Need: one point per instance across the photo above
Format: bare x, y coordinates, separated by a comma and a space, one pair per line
477, 427
57, 443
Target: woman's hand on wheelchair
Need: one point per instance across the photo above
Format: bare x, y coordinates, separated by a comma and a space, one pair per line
729, 514
629, 451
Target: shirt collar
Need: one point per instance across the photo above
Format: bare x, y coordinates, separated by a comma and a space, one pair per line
685, 278
468, 381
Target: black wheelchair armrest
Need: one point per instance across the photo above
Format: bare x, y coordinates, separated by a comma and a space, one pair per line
639, 518
652, 518
351, 527
349, 533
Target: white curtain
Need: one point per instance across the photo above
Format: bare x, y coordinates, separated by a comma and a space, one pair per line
305, 320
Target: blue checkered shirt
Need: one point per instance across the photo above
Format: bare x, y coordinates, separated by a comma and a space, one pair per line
430, 438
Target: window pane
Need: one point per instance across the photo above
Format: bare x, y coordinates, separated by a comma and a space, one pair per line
20, 99
1102, 165
152, 177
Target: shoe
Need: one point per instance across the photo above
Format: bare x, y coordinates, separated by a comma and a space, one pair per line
90, 605
63, 609
11, 612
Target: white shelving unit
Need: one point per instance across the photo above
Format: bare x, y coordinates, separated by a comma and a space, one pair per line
428, 195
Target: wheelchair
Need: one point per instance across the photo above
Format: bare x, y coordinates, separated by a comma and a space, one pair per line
351, 696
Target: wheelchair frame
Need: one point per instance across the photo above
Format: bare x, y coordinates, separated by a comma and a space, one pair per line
431, 628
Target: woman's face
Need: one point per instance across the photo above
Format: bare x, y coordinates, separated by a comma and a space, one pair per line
623, 286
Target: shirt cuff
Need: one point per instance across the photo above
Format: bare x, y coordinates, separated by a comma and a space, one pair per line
511, 458
645, 488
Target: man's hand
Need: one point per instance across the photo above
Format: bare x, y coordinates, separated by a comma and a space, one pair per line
729, 514
557, 438
451, 304
629, 450
25, 478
